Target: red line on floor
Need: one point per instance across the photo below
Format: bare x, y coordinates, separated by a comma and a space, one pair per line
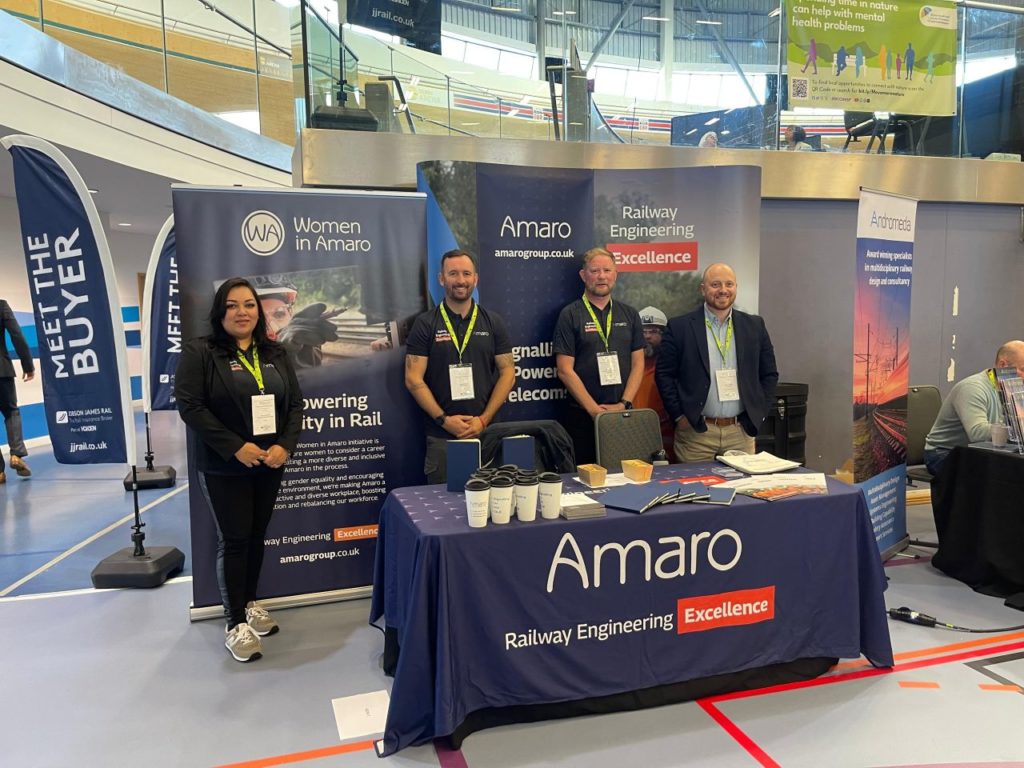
449, 758
919, 560
709, 704
737, 733
299, 757
862, 664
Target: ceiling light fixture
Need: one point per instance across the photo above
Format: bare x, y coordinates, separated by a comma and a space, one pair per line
774, 12
654, 18
124, 224
94, 191
712, 121
708, 22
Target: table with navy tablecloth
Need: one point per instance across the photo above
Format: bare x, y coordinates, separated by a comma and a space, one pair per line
555, 612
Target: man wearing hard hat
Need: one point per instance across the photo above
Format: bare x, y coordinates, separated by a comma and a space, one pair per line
654, 323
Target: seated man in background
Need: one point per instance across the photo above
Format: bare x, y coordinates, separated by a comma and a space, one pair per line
971, 408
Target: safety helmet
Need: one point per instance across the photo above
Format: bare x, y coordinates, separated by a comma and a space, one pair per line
274, 286
653, 316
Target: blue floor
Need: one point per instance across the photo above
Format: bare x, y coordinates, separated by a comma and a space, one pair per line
62, 506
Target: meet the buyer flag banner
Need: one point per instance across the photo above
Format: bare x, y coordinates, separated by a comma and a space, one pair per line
881, 358
77, 312
530, 227
161, 313
337, 274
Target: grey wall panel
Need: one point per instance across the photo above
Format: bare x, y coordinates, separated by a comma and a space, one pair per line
806, 299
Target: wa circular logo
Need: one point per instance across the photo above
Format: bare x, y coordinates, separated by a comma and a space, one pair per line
263, 233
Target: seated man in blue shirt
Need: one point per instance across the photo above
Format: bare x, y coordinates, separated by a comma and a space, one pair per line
971, 408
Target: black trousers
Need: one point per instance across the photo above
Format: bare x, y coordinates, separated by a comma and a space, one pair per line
242, 506
12, 417
580, 426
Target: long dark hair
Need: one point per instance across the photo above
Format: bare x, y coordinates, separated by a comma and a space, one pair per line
221, 338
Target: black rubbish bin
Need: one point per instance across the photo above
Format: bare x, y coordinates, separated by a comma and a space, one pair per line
784, 430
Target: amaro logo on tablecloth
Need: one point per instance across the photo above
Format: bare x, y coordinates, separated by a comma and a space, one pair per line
263, 233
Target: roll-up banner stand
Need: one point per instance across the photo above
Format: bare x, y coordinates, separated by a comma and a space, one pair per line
881, 360
340, 275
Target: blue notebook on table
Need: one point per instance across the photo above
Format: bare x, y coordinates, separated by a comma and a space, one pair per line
463, 460
640, 498
518, 450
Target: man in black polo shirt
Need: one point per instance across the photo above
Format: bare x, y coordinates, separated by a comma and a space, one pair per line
599, 351
458, 363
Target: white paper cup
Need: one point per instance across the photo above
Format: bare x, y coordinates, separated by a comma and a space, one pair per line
501, 500
1000, 434
477, 498
526, 498
550, 496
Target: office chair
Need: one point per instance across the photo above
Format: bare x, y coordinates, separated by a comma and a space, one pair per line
621, 435
923, 405
858, 124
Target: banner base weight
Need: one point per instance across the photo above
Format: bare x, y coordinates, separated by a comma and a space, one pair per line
123, 569
157, 477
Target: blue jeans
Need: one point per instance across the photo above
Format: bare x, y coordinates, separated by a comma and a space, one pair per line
934, 458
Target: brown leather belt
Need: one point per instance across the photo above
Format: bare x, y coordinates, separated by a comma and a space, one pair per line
725, 421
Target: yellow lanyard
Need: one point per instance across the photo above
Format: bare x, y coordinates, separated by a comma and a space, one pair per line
723, 351
460, 347
604, 333
992, 379
255, 371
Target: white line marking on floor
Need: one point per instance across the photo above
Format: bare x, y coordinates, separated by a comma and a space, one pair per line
90, 540
80, 592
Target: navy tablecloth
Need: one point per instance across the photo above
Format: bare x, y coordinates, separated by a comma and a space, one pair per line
555, 611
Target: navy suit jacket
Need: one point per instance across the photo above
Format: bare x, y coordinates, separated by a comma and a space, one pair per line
9, 327
683, 375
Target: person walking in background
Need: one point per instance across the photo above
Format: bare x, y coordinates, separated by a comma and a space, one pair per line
9, 393
237, 391
709, 139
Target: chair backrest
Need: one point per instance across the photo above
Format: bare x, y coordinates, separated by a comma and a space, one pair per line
923, 405
858, 123
620, 435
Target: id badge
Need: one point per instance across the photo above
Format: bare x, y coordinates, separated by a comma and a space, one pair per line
608, 368
460, 379
728, 386
264, 415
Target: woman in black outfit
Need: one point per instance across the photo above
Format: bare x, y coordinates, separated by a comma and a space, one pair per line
237, 391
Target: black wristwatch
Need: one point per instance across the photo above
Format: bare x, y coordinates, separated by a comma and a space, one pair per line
627, 404
439, 420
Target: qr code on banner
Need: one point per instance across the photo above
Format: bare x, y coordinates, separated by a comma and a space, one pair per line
799, 88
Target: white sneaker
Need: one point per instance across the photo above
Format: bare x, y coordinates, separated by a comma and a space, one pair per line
243, 643
259, 620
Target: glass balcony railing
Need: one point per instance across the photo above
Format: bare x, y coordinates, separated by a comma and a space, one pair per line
272, 66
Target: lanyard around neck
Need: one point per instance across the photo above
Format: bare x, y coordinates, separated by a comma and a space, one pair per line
460, 347
253, 368
606, 332
723, 351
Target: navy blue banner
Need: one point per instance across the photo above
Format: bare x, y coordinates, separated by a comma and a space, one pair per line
161, 310
340, 278
418, 21
529, 228
76, 308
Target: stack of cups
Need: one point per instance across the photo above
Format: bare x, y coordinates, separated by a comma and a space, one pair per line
550, 495
526, 495
501, 499
477, 501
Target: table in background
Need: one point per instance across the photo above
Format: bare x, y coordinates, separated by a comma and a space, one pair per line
458, 599
978, 504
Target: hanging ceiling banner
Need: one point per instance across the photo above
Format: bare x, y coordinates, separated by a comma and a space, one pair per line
418, 21
872, 56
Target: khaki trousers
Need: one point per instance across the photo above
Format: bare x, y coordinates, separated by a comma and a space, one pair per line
691, 445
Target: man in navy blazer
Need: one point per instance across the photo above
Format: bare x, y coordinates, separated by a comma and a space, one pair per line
716, 372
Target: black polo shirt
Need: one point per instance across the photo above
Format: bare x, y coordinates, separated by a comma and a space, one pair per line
577, 336
429, 338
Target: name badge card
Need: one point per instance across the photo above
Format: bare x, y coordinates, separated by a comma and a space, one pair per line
460, 379
264, 416
728, 386
608, 368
